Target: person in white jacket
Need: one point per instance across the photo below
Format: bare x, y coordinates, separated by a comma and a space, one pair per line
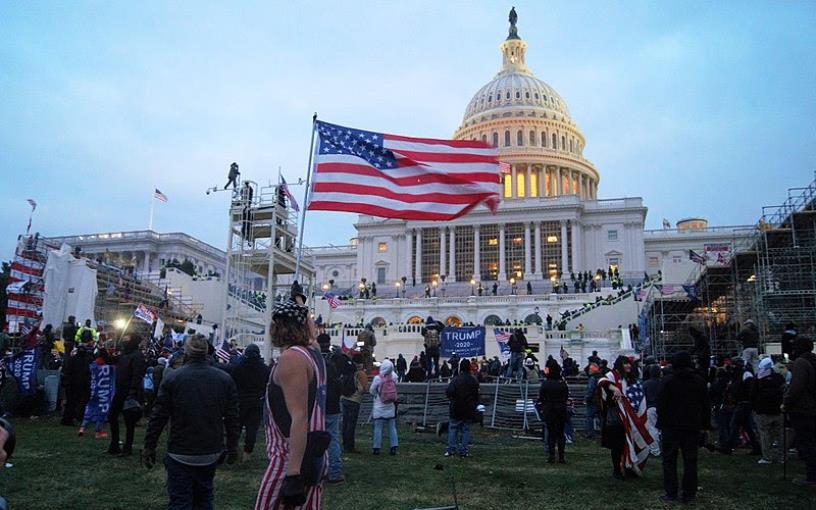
384, 413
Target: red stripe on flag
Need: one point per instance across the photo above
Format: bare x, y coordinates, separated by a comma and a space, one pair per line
357, 189
470, 144
384, 212
426, 178
445, 157
16, 266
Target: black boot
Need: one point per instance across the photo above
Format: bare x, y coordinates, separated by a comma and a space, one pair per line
393, 450
561, 459
376, 451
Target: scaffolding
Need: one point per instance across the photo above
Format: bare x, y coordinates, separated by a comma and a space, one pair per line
770, 278
261, 259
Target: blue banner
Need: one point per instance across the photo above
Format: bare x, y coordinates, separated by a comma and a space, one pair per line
23, 366
103, 387
466, 342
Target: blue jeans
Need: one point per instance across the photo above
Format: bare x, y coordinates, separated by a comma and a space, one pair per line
589, 424
335, 462
189, 487
392, 432
455, 427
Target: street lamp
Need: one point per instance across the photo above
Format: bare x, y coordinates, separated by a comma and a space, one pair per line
361, 286
325, 287
433, 288
472, 286
398, 288
512, 286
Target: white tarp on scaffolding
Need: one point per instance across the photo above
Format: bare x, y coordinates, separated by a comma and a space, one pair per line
70, 288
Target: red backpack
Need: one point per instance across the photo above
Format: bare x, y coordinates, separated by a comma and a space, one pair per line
388, 390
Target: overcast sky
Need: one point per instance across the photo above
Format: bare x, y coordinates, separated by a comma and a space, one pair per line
701, 108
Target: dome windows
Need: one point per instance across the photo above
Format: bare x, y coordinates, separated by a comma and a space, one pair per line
520, 138
484, 138
563, 143
536, 95
532, 138
495, 139
507, 138
543, 139
508, 95
554, 141
518, 95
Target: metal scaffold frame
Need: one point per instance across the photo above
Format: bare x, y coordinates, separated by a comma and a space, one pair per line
261, 260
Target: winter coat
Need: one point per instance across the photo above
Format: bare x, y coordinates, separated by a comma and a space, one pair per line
801, 394
250, 376
76, 373
130, 371
382, 409
682, 402
553, 396
767, 394
463, 393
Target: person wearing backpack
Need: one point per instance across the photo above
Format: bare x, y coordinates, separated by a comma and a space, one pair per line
463, 393
800, 404
350, 401
384, 412
431, 336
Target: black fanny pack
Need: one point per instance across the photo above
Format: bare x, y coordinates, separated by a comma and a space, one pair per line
311, 468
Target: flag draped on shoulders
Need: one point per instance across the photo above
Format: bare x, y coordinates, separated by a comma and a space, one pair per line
400, 177
632, 412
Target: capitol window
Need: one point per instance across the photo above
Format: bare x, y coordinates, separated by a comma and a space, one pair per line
527, 95
563, 143
552, 239
520, 191
508, 95
507, 138
612, 235
532, 138
536, 95
382, 247
554, 141
495, 139
543, 139
518, 95
520, 138
335, 273
508, 186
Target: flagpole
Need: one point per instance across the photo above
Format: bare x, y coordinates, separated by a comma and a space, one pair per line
30, 216
305, 198
152, 201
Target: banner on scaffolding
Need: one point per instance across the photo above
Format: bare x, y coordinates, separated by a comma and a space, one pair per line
717, 254
466, 342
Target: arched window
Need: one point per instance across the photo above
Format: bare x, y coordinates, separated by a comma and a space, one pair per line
563, 143
527, 95
495, 139
554, 141
532, 139
507, 138
518, 95
484, 138
536, 95
508, 94
508, 186
520, 138
489, 99
545, 97
570, 144
543, 139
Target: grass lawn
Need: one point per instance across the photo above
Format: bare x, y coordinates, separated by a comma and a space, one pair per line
53, 468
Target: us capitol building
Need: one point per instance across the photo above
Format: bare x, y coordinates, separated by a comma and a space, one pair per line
550, 223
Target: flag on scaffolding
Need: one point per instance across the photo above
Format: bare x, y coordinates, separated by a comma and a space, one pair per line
691, 292
285, 187
399, 177
696, 257
144, 313
332, 300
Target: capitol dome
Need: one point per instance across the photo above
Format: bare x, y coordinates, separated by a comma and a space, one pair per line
531, 125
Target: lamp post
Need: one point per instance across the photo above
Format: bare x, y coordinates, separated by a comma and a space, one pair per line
472, 286
433, 288
361, 286
398, 288
325, 287
512, 286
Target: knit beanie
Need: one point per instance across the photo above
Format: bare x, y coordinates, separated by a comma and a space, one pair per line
195, 346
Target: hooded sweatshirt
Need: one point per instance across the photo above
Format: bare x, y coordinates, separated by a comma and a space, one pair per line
381, 409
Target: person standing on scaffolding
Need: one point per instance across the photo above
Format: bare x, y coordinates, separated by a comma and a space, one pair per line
246, 203
232, 176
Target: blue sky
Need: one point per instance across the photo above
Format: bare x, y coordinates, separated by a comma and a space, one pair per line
701, 108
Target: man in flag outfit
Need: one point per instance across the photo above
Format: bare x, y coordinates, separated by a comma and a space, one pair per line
623, 416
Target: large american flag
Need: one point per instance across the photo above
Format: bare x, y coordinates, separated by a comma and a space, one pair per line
400, 177
632, 412
26, 285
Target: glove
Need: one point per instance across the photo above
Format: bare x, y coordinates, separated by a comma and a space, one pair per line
232, 456
292, 491
148, 457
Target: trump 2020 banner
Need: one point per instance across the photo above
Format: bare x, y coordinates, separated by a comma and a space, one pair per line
465, 342
103, 386
23, 366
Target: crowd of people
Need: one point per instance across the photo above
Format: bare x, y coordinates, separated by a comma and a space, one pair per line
309, 400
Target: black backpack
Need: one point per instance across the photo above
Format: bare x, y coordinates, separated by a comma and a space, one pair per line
346, 372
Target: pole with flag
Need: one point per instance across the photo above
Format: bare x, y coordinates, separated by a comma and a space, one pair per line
33, 205
157, 195
306, 197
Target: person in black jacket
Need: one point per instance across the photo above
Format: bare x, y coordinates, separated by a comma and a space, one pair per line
800, 404
201, 403
463, 393
517, 344
333, 413
552, 398
129, 396
69, 331
250, 375
76, 379
683, 411
766, 400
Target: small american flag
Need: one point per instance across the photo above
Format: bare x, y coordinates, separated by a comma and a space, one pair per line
289, 195
223, 352
144, 313
332, 300
503, 339
696, 257
394, 176
32, 203
159, 195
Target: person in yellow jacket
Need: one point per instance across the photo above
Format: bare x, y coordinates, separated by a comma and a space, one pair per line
87, 327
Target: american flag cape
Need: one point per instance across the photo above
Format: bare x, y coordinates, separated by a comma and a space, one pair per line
632, 413
26, 284
399, 177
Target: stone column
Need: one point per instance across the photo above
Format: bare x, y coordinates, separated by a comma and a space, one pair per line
408, 241
542, 171
477, 255
576, 247
442, 251
528, 182
527, 252
452, 259
558, 183
564, 256
538, 271
146, 262
513, 181
502, 267
418, 265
